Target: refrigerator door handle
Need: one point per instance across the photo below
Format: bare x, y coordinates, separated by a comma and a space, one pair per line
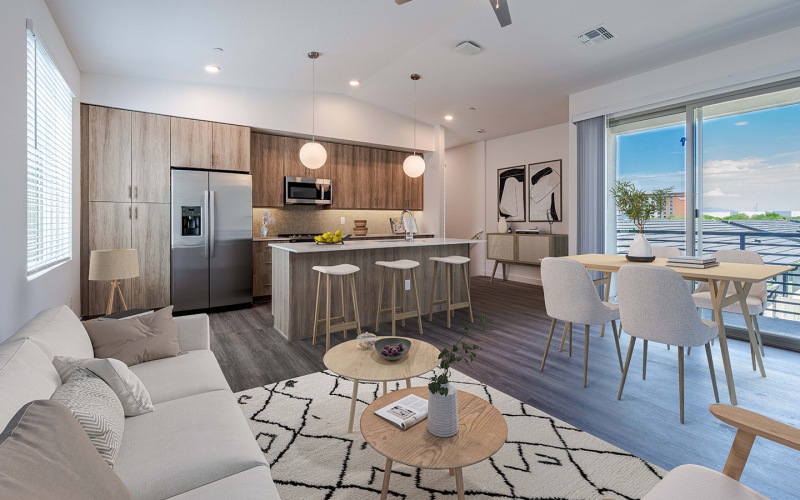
212, 215
205, 224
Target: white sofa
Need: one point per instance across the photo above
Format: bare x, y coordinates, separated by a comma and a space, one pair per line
195, 445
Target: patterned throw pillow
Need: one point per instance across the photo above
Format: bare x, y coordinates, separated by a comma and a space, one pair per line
95, 406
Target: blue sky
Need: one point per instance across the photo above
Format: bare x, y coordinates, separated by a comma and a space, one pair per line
750, 158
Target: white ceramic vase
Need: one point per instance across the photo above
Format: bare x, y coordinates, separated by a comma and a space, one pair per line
640, 247
264, 230
443, 413
502, 225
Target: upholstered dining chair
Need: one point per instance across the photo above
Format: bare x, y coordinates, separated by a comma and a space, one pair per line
756, 300
571, 296
694, 481
655, 306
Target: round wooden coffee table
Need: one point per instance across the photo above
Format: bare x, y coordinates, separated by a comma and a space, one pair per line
365, 365
482, 431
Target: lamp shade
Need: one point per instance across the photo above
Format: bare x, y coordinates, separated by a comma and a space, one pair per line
115, 264
414, 166
313, 155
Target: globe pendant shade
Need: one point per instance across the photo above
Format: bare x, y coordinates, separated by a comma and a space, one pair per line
414, 166
313, 155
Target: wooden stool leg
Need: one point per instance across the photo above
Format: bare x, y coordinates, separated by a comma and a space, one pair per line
353, 400
316, 310
387, 474
380, 302
465, 268
355, 302
449, 292
416, 298
384, 388
394, 298
408, 383
403, 297
452, 270
327, 312
433, 289
344, 305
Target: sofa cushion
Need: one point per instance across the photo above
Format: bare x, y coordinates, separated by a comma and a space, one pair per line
96, 408
185, 444
26, 373
252, 483
135, 340
58, 332
126, 385
45, 454
191, 373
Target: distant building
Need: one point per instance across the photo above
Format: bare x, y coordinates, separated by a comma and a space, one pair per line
718, 214
750, 214
674, 207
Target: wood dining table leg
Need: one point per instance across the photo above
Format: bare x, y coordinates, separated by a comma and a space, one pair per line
743, 290
719, 289
606, 292
387, 474
459, 484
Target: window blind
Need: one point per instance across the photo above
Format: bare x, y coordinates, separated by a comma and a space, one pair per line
49, 162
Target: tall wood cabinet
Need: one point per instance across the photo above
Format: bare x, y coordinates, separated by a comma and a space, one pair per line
209, 145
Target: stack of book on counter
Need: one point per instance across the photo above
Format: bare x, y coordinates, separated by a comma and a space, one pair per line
693, 262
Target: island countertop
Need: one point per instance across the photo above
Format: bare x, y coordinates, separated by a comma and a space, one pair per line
351, 245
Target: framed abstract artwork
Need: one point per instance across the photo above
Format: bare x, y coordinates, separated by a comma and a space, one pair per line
511, 193
543, 183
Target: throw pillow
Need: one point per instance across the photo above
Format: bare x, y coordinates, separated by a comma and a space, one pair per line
96, 408
45, 454
126, 385
135, 340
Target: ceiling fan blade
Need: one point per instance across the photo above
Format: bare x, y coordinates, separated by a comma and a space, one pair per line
401, 2
500, 8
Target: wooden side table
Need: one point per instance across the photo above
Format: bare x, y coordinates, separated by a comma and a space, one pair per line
482, 430
365, 365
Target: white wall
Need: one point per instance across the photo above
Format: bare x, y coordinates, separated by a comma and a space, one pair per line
480, 162
337, 117
21, 299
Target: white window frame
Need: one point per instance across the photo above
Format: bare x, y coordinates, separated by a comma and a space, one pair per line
49, 161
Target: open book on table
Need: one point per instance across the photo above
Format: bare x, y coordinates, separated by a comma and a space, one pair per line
405, 412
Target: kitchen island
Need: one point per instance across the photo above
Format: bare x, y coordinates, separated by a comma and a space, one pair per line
294, 283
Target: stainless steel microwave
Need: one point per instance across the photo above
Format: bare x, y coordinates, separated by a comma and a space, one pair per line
307, 191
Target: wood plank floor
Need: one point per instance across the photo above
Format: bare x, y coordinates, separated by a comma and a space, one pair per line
645, 422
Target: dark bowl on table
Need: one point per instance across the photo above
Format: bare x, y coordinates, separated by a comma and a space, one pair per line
393, 342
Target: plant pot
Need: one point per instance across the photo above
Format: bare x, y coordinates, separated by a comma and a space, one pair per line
640, 247
443, 413
502, 225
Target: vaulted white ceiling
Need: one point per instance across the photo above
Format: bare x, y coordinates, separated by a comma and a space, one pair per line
520, 81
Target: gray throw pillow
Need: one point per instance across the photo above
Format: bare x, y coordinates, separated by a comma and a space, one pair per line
46, 455
126, 385
95, 406
135, 340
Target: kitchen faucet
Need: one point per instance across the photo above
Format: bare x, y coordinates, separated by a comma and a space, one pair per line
409, 227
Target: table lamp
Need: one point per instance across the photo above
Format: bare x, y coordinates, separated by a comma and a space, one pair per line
114, 265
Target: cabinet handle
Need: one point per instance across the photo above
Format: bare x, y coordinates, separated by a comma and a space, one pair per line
136, 192
129, 191
136, 212
129, 212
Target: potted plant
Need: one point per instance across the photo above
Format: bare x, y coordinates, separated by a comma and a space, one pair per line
639, 207
442, 402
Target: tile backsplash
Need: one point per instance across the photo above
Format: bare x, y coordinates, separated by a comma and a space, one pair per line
315, 220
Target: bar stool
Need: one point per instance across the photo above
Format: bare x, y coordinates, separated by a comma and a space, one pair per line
450, 263
395, 266
341, 270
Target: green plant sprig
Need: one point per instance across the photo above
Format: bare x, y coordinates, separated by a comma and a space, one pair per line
638, 205
461, 351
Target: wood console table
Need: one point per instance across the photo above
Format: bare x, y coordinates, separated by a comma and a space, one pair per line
523, 249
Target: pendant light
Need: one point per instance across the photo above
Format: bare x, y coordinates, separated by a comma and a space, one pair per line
313, 154
414, 165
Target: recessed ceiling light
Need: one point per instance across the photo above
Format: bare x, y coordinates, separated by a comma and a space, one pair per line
212, 68
354, 83
448, 117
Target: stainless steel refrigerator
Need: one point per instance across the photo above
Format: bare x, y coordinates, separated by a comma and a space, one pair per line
211, 239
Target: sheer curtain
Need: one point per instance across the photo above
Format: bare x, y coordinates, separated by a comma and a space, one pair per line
591, 185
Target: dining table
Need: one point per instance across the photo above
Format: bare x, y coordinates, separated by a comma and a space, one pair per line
719, 279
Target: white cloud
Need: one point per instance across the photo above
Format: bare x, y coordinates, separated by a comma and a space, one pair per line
727, 168
717, 193
741, 124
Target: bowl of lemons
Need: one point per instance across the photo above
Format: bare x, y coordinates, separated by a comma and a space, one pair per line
329, 238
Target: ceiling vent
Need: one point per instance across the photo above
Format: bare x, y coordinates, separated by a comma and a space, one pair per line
468, 48
595, 35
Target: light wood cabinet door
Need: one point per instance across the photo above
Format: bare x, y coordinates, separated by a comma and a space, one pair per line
150, 157
109, 227
266, 166
292, 167
362, 178
500, 247
231, 147
531, 248
151, 237
344, 176
397, 194
109, 154
190, 143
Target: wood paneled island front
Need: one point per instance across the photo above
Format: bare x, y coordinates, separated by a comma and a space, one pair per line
294, 283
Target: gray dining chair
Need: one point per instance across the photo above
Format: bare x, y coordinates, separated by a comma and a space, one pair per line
756, 300
655, 306
571, 296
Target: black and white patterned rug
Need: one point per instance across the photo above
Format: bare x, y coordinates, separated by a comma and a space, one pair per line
301, 425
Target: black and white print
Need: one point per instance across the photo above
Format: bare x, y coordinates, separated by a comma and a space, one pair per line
301, 426
511, 193
544, 191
